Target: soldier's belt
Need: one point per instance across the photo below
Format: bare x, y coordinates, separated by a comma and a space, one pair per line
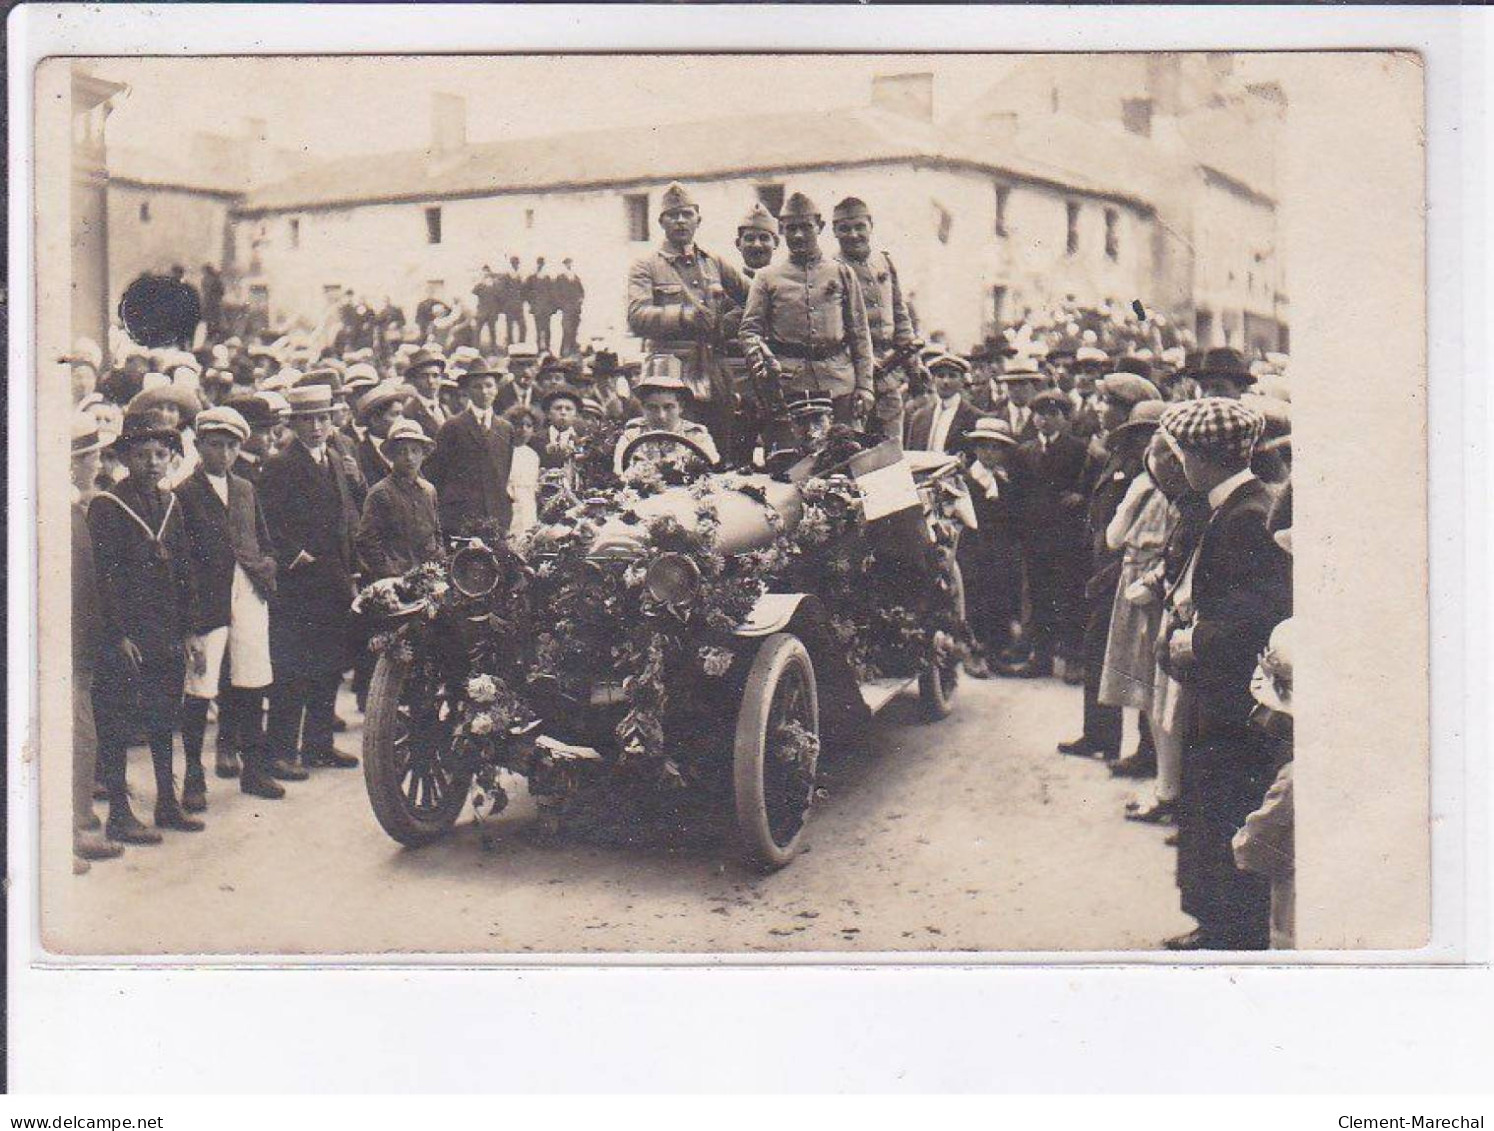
800, 352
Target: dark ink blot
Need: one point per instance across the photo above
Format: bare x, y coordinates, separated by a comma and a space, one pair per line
1139, 309
159, 311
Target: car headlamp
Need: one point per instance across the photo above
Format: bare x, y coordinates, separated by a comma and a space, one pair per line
474, 571
672, 579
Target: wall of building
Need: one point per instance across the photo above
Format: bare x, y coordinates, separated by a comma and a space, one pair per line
384, 249
1238, 270
185, 227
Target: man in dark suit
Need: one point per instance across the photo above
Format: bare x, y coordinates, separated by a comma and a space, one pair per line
1235, 589
520, 388
1122, 452
1050, 485
230, 555
539, 294
943, 425
309, 504
423, 405
511, 303
470, 466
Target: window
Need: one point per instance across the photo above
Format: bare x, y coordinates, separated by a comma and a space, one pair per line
433, 225
771, 197
945, 223
1112, 234
998, 307
295, 232
1003, 198
145, 212
529, 217
259, 296
1136, 115
1072, 244
637, 209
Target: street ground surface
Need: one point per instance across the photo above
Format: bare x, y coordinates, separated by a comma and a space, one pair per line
971, 834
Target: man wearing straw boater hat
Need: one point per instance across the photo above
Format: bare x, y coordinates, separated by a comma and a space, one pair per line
147, 600
235, 575
678, 297
806, 318
1235, 588
309, 504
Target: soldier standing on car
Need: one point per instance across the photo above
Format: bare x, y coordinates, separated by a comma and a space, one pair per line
886, 313
808, 317
757, 240
678, 296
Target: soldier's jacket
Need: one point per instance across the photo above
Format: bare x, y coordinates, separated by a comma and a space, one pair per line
812, 317
886, 313
665, 288
687, 428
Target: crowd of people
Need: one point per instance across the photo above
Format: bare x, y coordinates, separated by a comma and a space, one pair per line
1131, 513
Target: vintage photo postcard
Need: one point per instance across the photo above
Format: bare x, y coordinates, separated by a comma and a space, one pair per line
640, 507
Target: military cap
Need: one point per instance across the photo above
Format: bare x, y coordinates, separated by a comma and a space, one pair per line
1127, 388
760, 218
1214, 427
851, 208
402, 430
807, 405
798, 207
1051, 398
676, 196
222, 418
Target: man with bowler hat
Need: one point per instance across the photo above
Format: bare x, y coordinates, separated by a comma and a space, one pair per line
470, 465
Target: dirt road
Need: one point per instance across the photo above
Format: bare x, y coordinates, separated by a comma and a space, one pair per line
966, 835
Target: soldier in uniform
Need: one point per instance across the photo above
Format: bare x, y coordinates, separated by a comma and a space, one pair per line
806, 317
665, 395
678, 299
757, 240
886, 313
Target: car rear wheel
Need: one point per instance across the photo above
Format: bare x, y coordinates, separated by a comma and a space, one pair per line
416, 782
941, 679
776, 752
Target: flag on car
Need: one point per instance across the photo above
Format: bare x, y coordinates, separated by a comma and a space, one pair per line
885, 480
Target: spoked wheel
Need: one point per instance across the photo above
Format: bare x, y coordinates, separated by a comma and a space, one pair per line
941, 679
416, 782
776, 752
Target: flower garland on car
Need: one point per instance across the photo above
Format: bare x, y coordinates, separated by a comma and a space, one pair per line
562, 624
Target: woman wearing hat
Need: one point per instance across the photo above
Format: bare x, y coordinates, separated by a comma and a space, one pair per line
235, 574
990, 555
399, 528
147, 599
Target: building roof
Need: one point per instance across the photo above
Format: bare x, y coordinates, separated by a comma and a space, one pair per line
163, 170
706, 150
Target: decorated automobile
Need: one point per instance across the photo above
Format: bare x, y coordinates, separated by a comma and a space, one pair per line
668, 628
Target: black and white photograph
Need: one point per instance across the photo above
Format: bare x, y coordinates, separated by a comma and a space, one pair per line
679, 505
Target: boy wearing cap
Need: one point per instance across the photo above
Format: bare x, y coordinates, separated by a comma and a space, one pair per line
87, 624
943, 425
1235, 588
147, 602
235, 572
399, 528
378, 411
557, 442
309, 503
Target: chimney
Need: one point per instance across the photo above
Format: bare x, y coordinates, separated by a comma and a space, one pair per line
909, 95
448, 123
